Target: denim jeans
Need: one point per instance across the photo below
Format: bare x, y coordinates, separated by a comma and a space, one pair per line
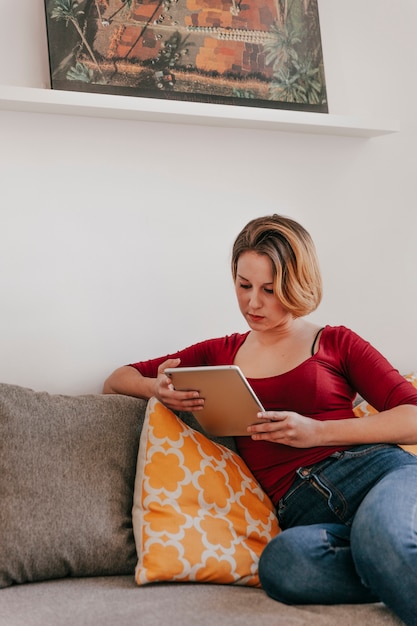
349, 533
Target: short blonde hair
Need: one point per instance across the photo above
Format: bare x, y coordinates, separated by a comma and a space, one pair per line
297, 276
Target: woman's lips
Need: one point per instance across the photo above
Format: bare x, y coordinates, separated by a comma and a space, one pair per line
255, 318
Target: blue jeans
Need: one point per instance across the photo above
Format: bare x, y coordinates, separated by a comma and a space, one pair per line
349, 533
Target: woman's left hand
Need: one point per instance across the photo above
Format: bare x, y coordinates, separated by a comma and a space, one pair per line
286, 427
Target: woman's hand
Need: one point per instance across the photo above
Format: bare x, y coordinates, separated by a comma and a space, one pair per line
172, 398
397, 425
286, 427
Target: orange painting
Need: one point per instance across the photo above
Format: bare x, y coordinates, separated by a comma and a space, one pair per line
237, 52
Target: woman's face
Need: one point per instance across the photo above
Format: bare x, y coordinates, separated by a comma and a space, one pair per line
255, 292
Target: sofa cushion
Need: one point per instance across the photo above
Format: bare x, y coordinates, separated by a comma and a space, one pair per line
67, 468
198, 515
116, 601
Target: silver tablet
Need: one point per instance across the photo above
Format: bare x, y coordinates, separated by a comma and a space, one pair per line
230, 404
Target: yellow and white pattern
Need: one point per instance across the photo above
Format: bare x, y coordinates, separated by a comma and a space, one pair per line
198, 513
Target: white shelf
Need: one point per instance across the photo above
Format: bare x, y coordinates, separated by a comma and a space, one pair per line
32, 100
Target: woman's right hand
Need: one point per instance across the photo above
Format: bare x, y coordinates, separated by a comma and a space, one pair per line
129, 381
173, 398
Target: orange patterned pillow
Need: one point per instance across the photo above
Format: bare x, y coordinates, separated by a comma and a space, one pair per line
364, 409
198, 513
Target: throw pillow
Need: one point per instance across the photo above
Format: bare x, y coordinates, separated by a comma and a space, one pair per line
67, 471
198, 514
364, 408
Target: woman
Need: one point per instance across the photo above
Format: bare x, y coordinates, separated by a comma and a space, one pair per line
345, 493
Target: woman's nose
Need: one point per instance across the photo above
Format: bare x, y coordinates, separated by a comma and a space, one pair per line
255, 300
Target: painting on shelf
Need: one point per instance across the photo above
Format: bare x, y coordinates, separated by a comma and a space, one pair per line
240, 52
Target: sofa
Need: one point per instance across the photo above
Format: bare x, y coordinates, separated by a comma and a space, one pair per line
115, 511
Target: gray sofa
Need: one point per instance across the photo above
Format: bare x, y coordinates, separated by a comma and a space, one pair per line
67, 548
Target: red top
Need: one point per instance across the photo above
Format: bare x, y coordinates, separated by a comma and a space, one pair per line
322, 387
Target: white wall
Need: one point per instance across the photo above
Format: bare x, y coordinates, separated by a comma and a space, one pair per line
115, 235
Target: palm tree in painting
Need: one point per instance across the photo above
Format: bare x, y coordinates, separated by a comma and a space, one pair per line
298, 82
285, 87
280, 46
309, 78
306, 5
281, 7
80, 72
296, 73
68, 11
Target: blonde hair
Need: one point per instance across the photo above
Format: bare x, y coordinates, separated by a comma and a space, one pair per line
297, 277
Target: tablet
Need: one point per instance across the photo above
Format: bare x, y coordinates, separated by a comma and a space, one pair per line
230, 404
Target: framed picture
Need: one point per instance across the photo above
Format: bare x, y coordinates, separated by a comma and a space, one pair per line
240, 52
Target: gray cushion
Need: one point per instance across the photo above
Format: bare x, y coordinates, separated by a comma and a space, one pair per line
67, 469
117, 601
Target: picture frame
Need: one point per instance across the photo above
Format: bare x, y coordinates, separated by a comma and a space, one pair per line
237, 52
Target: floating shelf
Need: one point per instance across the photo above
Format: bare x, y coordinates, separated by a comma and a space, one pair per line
33, 100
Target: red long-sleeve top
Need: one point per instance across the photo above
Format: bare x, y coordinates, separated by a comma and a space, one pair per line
323, 387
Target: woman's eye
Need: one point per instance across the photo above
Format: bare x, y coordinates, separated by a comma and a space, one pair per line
244, 286
271, 291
